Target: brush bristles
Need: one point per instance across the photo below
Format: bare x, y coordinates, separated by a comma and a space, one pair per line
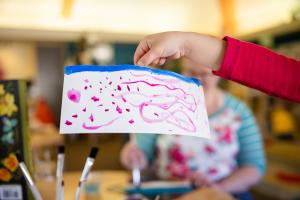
93, 152
19, 157
61, 149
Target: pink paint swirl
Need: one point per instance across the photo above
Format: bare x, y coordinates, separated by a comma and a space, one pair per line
174, 105
74, 95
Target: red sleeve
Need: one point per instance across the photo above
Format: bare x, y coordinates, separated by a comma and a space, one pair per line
261, 68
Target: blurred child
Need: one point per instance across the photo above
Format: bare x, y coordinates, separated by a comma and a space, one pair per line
232, 160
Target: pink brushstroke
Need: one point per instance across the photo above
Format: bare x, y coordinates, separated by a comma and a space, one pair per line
170, 81
84, 110
155, 85
131, 121
99, 126
75, 116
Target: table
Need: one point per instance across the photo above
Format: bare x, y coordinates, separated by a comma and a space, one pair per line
111, 184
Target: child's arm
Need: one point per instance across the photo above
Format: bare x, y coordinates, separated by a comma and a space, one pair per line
239, 181
139, 152
250, 158
243, 62
261, 68
131, 156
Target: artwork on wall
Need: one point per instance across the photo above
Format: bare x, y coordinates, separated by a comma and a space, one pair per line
13, 139
131, 99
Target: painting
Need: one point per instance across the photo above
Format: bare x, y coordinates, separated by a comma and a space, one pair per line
131, 99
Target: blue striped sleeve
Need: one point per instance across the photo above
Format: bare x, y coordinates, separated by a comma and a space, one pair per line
147, 143
250, 140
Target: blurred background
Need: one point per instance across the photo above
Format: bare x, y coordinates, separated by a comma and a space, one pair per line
39, 37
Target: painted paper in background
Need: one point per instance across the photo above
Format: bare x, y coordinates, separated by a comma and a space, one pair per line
131, 99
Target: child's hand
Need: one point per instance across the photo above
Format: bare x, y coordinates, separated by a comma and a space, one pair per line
199, 179
132, 156
156, 49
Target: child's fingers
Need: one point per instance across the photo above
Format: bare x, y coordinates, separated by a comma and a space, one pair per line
155, 62
148, 58
140, 51
158, 62
162, 61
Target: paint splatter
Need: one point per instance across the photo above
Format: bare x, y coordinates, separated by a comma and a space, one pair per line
128, 88
127, 109
119, 110
75, 116
123, 99
156, 114
68, 123
91, 117
85, 87
84, 110
106, 110
100, 105
95, 99
74, 95
113, 103
119, 88
110, 83
131, 121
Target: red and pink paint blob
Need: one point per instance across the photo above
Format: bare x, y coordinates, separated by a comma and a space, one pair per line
74, 95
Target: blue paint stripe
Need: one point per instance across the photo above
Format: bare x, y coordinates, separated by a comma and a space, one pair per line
94, 68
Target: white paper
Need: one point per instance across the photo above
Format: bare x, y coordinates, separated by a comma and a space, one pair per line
131, 99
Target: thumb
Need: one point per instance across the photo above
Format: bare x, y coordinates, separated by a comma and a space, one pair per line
148, 58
